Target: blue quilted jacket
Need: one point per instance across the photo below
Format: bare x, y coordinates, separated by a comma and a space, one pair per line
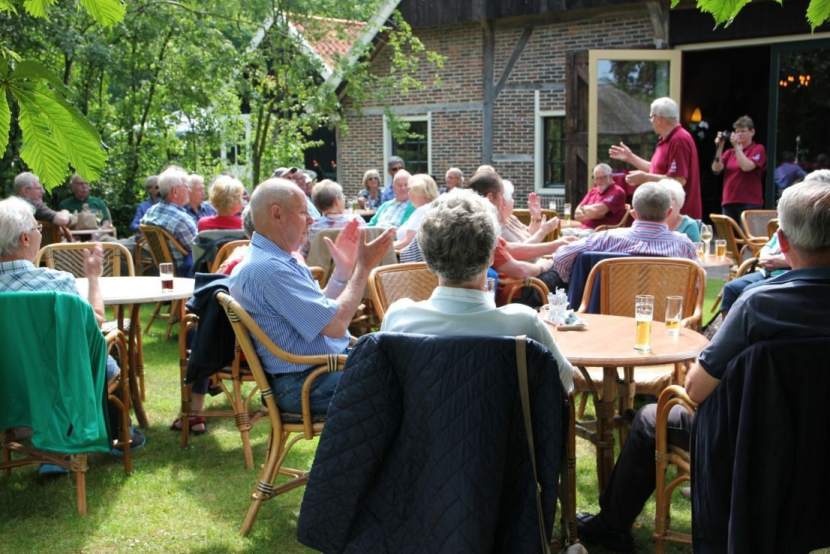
424, 449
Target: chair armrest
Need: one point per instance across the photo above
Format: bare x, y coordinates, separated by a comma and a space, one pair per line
673, 395
517, 284
746, 267
335, 362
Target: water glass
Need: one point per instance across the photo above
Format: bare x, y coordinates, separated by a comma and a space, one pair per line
166, 276
700, 248
552, 205
566, 211
720, 248
643, 315
674, 313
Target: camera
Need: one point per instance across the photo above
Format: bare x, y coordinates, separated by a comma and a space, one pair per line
724, 135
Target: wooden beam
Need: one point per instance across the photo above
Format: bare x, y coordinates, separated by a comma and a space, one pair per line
517, 51
489, 54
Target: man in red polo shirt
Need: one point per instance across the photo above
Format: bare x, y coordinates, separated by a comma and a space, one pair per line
674, 157
605, 202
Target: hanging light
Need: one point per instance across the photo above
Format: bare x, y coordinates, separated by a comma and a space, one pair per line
697, 117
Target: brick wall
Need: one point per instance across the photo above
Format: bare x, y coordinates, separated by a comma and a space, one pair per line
455, 101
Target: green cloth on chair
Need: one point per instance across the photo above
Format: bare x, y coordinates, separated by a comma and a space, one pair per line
53, 371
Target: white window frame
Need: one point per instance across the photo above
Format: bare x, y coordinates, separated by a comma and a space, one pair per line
387, 138
539, 148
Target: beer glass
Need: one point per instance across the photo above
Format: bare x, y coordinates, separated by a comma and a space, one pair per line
643, 315
166, 276
720, 249
566, 211
700, 248
674, 313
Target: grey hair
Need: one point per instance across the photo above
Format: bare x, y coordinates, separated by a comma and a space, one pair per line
651, 202
151, 181
16, 218
458, 235
325, 194
275, 190
804, 214
24, 180
678, 195
820, 175
508, 188
606, 169
225, 192
400, 175
393, 160
666, 108
194, 178
248, 221
370, 174
457, 172
170, 178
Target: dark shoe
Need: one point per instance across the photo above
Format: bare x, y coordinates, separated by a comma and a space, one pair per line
137, 442
591, 529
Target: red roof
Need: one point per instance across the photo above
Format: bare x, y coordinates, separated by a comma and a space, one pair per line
330, 38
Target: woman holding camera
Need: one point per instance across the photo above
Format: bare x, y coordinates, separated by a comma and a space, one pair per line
743, 168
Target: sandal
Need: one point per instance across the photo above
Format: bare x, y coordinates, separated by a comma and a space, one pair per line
196, 423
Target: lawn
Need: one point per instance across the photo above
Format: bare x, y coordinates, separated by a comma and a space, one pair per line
194, 499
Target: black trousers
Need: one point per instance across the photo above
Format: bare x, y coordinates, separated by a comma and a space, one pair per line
530, 297
633, 478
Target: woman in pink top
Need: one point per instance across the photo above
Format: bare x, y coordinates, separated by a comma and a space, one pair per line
226, 196
743, 168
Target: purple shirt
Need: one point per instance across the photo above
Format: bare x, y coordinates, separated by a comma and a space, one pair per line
643, 238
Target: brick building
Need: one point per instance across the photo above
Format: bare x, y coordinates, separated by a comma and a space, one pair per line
540, 88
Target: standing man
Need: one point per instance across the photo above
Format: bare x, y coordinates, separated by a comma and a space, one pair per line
80, 196
675, 156
27, 186
170, 215
196, 206
605, 202
394, 165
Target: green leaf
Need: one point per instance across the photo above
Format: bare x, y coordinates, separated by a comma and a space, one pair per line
818, 12
38, 8
30, 69
7, 6
5, 121
55, 135
724, 11
105, 12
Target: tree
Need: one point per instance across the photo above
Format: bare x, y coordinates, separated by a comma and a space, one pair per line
55, 135
725, 11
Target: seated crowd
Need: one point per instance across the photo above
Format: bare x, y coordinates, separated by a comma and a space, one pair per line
464, 232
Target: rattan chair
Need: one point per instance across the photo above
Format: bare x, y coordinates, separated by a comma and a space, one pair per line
231, 381
772, 226
514, 286
160, 242
738, 245
52, 233
756, 222
666, 455
69, 256
624, 222
747, 266
225, 251
392, 282
621, 279
523, 215
283, 425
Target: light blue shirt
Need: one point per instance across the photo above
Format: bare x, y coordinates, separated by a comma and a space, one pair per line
286, 302
456, 311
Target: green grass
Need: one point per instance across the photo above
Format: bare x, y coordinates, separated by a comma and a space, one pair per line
194, 499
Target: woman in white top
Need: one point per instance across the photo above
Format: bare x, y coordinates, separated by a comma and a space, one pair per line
457, 238
422, 191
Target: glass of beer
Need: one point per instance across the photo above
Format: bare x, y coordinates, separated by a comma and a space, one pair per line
720, 249
552, 205
643, 314
700, 248
166, 276
566, 211
674, 313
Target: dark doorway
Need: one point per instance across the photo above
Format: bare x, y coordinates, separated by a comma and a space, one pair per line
323, 158
724, 84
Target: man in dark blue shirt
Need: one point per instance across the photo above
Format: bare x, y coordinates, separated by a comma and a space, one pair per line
792, 305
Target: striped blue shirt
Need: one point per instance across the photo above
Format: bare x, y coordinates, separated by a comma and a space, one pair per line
175, 219
643, 238
286, 302
22, 275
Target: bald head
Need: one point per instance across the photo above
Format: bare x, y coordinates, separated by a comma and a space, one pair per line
273, 191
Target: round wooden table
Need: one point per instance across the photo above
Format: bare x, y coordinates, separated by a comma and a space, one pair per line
608, 342
133, 292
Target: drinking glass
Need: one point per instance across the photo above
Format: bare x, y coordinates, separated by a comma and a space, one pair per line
643, 315
720, 249
490, 287
552, 205
674, 313
700, 249
566, 211
166, 276
706, 236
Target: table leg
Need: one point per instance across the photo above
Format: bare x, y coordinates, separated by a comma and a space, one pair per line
132, 348
605, 406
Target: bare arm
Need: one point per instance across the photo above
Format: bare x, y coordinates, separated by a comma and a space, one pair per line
591, 211
623, 153
93, 266
529, 251
744, 163
520, 270
699, 384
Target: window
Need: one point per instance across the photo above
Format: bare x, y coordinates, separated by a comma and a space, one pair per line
415, 149
553, 148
